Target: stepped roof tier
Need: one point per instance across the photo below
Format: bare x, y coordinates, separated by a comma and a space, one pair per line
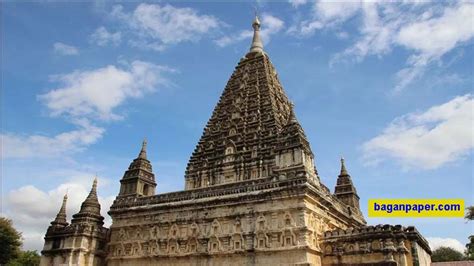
252, 146
240, 139
90, 209
252, 194
61, 218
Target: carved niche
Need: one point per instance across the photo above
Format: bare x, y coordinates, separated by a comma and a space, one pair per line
237, 240
287, 236
261, 237
154, 232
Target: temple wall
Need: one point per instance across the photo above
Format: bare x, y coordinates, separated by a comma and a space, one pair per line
424, 258
379, 245
293, 257
284, 230
66, 246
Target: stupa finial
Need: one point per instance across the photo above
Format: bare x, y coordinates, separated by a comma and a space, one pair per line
143, 150
343, 167
257, 45
61, 216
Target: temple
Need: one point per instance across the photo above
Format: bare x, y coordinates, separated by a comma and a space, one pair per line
83, 242
252, 196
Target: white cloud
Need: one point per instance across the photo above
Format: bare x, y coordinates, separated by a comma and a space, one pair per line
432, 38
428, 32
158, 26
309, 27
103, 37
270, 26
325, 14
97, 92
436, 36
297, 3
331, 12
32, 214
376, 36
85, 96
35, 146
64, 49
437, 242
427, 140
342, 35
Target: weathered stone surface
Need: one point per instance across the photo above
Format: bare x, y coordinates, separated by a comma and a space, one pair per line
389, 244
245, 223
252, 197
83, 242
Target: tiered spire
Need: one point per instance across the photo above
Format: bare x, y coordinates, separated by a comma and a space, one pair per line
141, 162
292, 117
142, 154
345, 189
257, 45
61, 218
139, 178
90, 208
293, 134
241, 138
343, 168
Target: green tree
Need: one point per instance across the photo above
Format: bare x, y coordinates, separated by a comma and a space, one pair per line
470, 246
446, 254
10, 241
26, 258
470, 213
470, 249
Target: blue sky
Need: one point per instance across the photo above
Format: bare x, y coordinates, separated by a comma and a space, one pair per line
388, 86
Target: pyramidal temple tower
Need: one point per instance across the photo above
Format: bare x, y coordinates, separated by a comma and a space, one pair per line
253, 132
252, 196
82, 242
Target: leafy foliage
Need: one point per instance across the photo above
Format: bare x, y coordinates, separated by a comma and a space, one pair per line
469, 213
26, 258
10, 241
446, 254
470, 246
470, 249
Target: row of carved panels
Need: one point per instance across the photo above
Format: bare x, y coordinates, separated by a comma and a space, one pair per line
214, 228
367, 246
236, 242
274, 221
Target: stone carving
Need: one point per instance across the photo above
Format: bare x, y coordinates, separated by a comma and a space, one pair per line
154, 232
173, 232
123, 234
261, 223
192, 245
214, 244
193, 230
288, 220
252, 197
173, 246
215, 228
138, 233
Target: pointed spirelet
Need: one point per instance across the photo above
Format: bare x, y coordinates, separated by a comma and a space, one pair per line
345, 189
90, 208
91, 204
292, 117
142, 154
94, 187
61, 217
343, 168
257, 45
